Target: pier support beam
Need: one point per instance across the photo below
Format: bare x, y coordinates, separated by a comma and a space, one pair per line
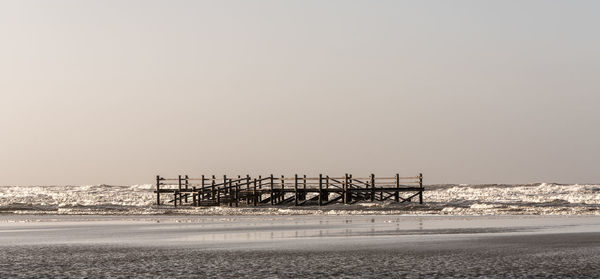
372, 187
296, 189
421, 186
158, 190
180, 189
254, 195
397, 193
320, 189
272, 188
345, 189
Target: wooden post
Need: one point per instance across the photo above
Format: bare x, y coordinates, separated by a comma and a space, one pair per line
326, 191
230, 191
237, 185
372, 187
236, 189
224, 187
219, 196
349, 187
254, 196
247, 188
195, 195
421, 186
158, 190
282, 194
272, 188
320, 189
237, 196
345, 189
175, 198
179, 189
304, 182
304, 187
212, 190
194, 198
247, 182
260, 187
296, 189
227, 189
397, 193
187, 184
202, 185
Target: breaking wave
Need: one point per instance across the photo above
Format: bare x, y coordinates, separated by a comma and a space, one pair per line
451, 199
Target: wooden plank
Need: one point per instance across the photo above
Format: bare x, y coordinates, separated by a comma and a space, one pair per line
168, 179
334, 200
315, 198
409, 198
198, 178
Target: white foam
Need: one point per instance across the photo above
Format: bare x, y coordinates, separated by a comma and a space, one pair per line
544, 199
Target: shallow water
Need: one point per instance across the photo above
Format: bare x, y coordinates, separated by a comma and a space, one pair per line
299, 247
222, 231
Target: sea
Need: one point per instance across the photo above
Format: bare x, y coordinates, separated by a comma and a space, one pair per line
449, 199
541, 230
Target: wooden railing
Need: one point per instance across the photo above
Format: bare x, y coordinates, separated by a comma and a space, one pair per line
210, 190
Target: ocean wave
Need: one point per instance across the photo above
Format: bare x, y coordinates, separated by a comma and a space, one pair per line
453, 199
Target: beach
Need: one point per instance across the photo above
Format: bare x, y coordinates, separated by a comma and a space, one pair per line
299, 139
343, 246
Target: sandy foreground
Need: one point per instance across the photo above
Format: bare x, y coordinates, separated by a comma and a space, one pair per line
74, 246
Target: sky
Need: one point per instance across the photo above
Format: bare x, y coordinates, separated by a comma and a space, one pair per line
116, 92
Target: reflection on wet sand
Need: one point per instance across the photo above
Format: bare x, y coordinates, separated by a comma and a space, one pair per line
300, 247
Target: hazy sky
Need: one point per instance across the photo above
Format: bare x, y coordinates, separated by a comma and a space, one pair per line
464, 91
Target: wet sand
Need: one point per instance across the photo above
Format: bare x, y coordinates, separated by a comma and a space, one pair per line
299, 247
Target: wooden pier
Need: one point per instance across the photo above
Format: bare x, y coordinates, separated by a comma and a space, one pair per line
279, 190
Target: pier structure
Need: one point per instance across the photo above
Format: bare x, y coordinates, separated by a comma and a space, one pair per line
297, 190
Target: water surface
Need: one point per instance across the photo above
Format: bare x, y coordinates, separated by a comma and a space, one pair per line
299, 247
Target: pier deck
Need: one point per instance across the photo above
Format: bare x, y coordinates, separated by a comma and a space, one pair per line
296, 190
